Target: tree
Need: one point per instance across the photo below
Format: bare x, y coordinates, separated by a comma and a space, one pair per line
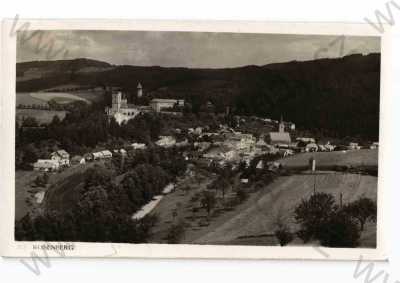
363, 209
194, 211
30, 154
241, 195
208, 201
174, 213
97, 175
321, 219
311, 214
185, 189
175, 233
223, 185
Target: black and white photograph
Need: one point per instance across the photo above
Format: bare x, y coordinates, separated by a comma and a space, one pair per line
201, 138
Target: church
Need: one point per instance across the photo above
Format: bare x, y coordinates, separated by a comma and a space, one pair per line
280, 137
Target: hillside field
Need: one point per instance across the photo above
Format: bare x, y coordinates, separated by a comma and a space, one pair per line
255, 219
355, 158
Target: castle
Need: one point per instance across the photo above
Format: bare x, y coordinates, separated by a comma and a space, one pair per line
122, 111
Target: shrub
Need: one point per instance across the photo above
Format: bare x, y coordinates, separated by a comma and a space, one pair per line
41, 180
283, 235
208, 201
341, 231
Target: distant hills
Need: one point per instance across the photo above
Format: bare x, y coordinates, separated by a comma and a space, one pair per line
339, 97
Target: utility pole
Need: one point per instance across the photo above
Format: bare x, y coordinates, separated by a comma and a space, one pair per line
315, 182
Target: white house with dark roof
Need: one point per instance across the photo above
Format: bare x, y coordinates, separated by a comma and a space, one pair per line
46, 165
157, 104
61, 156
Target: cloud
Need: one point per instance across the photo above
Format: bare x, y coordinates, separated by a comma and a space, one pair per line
185, 49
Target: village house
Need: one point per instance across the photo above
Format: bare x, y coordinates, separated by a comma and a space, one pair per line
329, 146
88, 156
61, 156
311, 147
136, 145
166, 141
354, 146
305, 140
239, 141
374, 145
106, 154
46, 165
97, 155
101, 155
77, 159
183, 143
260, 165
120, 151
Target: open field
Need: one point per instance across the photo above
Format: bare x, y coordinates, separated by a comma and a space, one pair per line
92, 96
363, 157
42, 98
59, 97
25, 98
252, 222
42, 116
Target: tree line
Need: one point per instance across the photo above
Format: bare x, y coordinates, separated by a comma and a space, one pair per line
103, 210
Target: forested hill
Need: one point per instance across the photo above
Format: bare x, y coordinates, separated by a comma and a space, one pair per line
337, 96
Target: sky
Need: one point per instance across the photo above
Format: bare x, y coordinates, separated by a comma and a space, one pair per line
187, 49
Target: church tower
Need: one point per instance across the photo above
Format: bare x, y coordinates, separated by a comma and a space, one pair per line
139, 90
281, 125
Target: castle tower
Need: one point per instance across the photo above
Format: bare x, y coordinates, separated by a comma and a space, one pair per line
139, 90
281, 125
116, 101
